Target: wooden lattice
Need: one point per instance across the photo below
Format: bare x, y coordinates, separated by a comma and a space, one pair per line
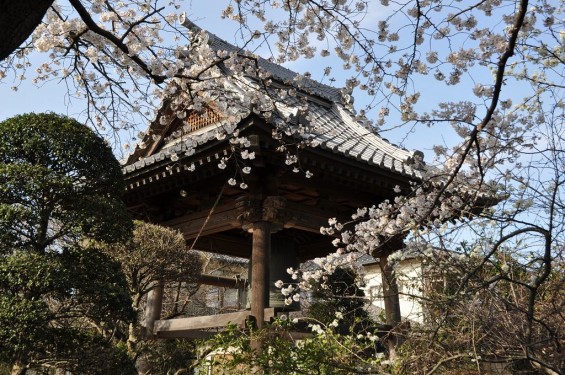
199, 120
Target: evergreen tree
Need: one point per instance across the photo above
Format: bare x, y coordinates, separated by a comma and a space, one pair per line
59, 299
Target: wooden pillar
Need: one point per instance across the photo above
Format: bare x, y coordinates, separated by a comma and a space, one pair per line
260, 258
152, 313
153, 308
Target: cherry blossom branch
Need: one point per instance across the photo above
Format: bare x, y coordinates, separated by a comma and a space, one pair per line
499, 80
87, 19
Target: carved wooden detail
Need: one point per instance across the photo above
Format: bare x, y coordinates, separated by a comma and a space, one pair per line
246, 211
274, 209
199, 120
270, 209
249, 211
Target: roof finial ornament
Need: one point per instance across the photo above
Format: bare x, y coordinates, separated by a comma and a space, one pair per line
417, 160
182, 18
346, 98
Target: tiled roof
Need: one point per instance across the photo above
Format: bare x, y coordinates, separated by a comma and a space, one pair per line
335, 127
337, 131
278, 72
177, 149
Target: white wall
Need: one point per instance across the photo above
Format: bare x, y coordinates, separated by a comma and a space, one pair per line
410, 285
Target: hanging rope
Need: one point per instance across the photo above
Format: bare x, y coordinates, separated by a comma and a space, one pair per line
208, 217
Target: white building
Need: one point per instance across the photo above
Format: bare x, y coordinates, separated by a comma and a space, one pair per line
417, 276
410, 280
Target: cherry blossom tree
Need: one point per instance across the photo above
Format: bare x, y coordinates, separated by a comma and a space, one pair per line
488, 75
499, 184
110, 53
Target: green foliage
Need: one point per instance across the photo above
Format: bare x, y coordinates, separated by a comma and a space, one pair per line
60, 300
25, 273
155, 253
152, 254
58, 179
74, 277
47, 300
98, 356
324, 351
169, 356
98, 287
24, 326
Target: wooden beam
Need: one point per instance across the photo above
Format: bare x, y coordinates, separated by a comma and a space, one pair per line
326, 186
305, 218
190, 334
224, 217
227, 217
201, 322
224, 243
270, 313
227, 282
203, 326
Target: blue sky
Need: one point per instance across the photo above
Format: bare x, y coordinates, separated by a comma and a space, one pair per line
53, 96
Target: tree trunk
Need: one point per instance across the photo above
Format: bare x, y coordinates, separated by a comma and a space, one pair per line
134, 329
18, 19
133, 339
390, 293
